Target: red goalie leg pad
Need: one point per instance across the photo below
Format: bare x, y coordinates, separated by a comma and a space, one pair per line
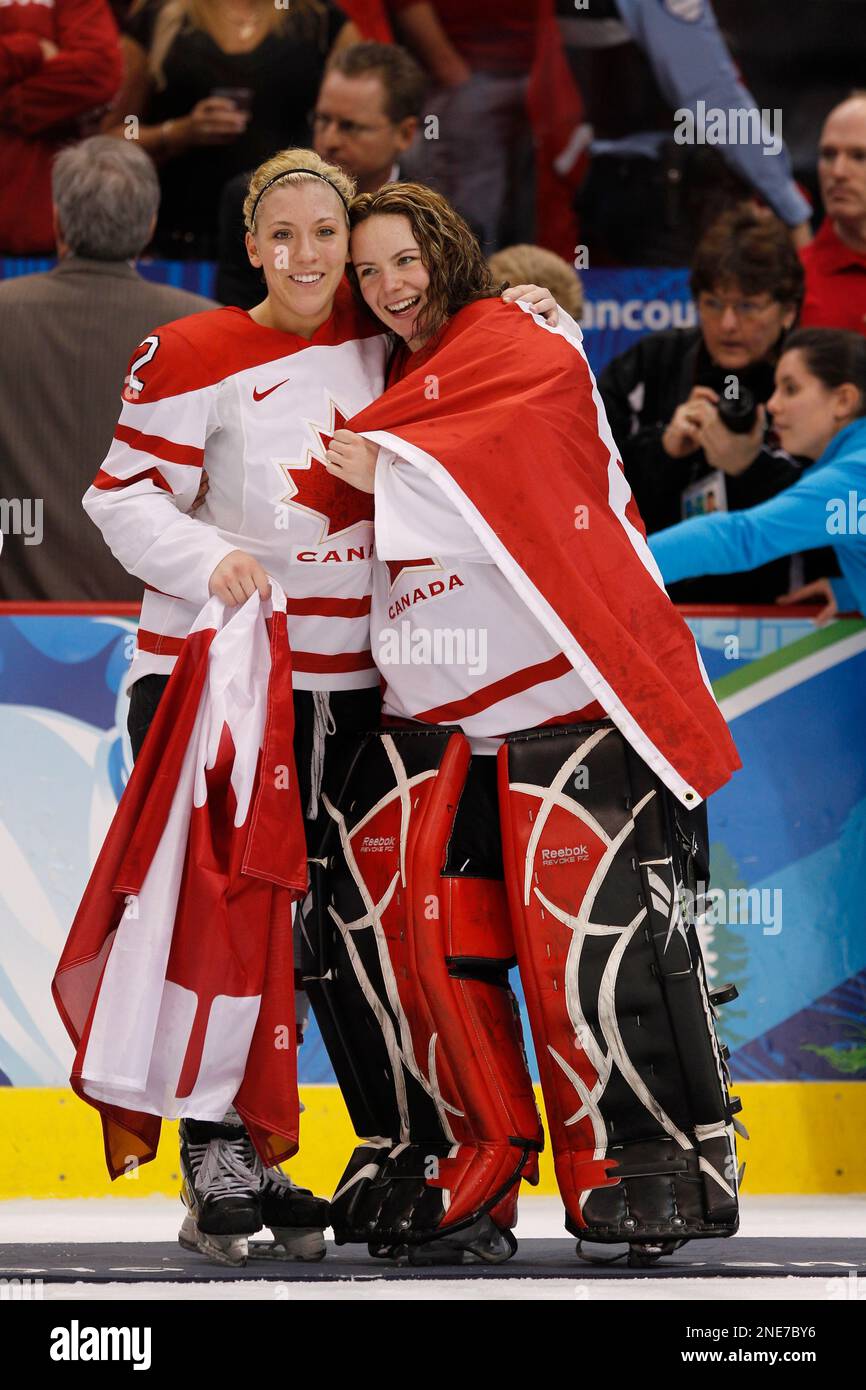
460, 951
597, 857
560, 869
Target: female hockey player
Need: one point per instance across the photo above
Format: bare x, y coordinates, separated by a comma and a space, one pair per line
254, 398
515, 608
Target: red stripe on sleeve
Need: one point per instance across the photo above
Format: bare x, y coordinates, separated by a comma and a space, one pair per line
185, 454
106, 481
488, 695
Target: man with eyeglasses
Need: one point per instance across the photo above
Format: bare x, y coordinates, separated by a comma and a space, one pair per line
366, 116
687, 405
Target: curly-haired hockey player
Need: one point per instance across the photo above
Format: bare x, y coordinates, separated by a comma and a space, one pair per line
535, 795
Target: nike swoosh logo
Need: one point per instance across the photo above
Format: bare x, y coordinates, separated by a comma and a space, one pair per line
260, 395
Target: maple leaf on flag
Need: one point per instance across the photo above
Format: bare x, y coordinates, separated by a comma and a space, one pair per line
397, 567
337, 504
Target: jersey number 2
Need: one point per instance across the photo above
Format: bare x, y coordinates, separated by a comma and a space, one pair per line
135, 382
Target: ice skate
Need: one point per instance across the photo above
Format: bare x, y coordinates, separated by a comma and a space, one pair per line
222, 1181
295, 1217
481, 1243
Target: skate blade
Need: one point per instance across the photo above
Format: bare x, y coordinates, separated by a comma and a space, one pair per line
290, 1243
223, 1250
492, 1247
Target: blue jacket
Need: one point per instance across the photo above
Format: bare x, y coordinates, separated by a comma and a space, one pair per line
690, 60
827, 506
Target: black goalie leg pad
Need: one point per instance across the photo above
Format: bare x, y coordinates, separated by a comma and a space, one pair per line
406, 966
634, 1084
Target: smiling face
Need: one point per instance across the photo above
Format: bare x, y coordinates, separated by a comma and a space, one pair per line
301, 242
806, 413
391, 274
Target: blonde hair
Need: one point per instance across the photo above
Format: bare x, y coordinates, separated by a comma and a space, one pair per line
535, 265
310, 16
284, 167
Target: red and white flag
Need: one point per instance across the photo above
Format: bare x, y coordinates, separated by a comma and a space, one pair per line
503, 413
176, 981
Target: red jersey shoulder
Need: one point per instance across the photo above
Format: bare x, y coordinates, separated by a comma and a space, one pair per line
169, 361
199, 351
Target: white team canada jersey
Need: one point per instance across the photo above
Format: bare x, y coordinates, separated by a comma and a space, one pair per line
453, 641
256, 408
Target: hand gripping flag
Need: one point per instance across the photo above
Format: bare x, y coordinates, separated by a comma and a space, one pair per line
176, 982
503, 413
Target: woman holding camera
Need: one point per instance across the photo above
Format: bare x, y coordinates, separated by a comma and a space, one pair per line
819, 412
687, 405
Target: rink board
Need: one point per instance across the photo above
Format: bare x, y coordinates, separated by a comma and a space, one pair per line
788, 837
807, 1137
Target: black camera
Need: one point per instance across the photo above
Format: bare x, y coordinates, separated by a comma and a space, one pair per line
738, 413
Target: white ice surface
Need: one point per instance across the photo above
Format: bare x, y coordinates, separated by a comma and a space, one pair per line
157, 1219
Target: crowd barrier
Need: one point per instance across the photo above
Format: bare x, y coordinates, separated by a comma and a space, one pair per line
620, 305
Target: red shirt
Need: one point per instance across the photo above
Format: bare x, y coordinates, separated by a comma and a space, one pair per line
490, 35
835, 283
42, 111
20, 55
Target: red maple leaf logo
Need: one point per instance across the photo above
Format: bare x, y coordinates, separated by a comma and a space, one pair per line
335, 504
398, 567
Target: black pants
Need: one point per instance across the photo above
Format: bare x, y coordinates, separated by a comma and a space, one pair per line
352, 712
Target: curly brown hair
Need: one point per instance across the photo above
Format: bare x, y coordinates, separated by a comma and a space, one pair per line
754, 255
450, 253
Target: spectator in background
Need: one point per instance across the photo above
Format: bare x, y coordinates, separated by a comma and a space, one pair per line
535, 265
686, 406
22, 55
835, 262
478, 57
67, 338
819, 406
216, 87
647, 199
366, 116
59, 63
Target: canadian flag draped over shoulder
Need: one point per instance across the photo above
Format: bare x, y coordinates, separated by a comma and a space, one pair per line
176, 981
503, 413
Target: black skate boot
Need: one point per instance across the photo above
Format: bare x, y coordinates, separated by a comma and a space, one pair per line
481, 1243
222, 1180
296, 1218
